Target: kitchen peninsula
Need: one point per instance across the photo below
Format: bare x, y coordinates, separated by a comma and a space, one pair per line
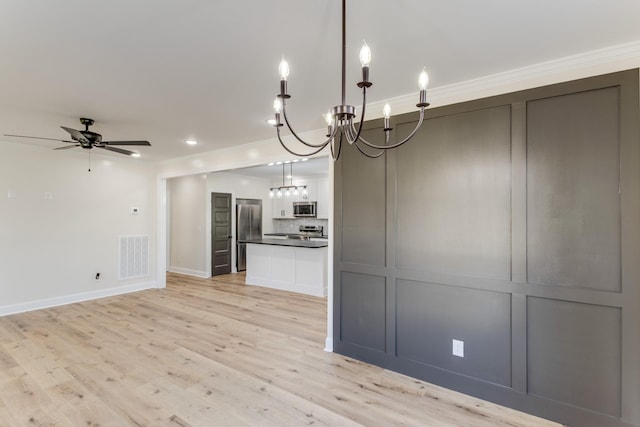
287, 264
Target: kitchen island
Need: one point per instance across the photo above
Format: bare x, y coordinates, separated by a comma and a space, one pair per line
288, 264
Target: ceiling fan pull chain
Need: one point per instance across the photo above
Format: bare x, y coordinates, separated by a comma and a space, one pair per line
89, 161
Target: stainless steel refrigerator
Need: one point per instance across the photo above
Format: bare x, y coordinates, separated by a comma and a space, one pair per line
248, 227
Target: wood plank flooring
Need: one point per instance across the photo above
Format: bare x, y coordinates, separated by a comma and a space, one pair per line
208, 352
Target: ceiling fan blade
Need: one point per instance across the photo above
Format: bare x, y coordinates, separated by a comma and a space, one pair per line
66, 147
117, 150
76, 134
37, 137
147, 143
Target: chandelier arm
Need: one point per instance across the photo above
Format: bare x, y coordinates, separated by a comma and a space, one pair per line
364, 107
386, 145
333, 155
397, 144
322, 145
371, 156
299, 154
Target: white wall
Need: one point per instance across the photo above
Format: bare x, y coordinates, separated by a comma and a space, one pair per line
188, 226
64, 223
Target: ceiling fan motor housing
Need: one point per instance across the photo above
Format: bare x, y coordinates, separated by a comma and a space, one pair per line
94, 138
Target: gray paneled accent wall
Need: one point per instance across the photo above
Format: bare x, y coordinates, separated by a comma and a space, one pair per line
511, 224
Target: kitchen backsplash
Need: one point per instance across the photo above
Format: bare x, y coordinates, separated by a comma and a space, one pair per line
293, 225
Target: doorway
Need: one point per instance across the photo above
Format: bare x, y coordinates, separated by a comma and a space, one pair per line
220, 233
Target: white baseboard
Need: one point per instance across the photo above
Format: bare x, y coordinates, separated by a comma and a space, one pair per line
189, 272
74, 298
328, 345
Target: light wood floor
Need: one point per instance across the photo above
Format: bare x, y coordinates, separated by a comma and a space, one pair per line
208, 352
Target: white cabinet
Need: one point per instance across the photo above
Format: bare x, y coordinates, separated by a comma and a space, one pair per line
279, 207
293, 269
311, 190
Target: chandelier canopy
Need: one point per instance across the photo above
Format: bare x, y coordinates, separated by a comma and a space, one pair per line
340, 119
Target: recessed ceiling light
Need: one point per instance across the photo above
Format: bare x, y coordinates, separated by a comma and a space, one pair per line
271, 122
278, 163
296, 160
305, 159
271, 164
287, 161
136, 155
191, 142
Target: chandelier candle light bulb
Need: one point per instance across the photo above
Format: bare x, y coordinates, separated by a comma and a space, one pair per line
340, 119
328, 117
365, 60
283, 69
277, 107
386, 113
365, 55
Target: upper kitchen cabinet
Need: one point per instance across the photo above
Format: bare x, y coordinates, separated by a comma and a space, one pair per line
312, 193
282, 207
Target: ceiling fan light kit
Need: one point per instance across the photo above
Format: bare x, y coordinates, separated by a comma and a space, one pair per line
340, 119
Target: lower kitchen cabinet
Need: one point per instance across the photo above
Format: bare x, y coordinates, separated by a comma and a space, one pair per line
294, 269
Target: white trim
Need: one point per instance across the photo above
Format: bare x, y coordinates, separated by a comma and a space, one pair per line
74, 298
161, 233
328, 344
189, 272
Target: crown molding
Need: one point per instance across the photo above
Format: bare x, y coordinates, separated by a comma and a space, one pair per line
595, 62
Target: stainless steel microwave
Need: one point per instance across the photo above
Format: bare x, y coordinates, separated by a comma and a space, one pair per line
305, 209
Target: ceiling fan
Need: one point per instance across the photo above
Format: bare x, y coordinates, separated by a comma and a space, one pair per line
88, 139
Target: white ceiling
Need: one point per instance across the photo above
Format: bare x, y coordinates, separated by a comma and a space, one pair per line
318, 167
171, 70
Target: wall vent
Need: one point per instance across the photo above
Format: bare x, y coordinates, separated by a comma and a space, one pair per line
134, 257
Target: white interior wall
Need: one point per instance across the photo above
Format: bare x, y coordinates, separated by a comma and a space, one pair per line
188, 228
60, 224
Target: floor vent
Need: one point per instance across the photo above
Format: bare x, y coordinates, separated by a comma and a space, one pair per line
134, 256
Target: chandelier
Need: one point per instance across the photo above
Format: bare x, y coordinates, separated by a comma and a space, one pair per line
340, 119
287, 190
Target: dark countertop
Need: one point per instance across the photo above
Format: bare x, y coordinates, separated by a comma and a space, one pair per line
294, 234
290, 242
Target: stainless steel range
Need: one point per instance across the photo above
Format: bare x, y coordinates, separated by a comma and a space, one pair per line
307, 232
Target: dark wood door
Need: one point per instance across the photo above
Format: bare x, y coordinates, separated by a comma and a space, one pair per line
220, 233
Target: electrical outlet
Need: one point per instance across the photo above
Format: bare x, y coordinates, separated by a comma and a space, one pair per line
97, 276
458, 348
